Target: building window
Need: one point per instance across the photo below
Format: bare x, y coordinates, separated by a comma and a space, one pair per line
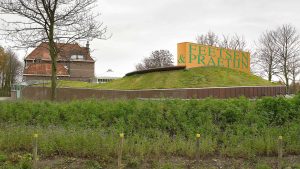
37, 60
77, 57
80, 57
104, 80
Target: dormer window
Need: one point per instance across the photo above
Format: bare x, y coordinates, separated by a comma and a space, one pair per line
77, 57
80, 57
37, 60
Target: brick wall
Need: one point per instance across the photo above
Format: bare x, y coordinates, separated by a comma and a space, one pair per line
79, 71
66, 94
82, 70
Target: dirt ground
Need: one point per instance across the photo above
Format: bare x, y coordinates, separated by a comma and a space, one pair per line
290, 162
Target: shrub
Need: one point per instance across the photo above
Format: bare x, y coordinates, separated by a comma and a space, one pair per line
233, 127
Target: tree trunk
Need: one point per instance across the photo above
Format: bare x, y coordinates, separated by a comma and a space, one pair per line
294, 82
53, 79
53, 54
287, 84
285, 73
270, 73
270, 68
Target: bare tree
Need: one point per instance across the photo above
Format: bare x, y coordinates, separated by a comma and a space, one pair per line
51, 21
266, 54
158, 58
16, 67
10, 70
208, 39
287, 42
234, 42
294, 66
3, 66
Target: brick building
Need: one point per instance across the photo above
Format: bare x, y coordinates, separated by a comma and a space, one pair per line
73, 63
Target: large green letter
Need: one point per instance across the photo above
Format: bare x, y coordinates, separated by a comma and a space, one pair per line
245, 61
236, 60
228, 57
211, 62
201, 59
220, 62
211, 51
192, 57
201, 51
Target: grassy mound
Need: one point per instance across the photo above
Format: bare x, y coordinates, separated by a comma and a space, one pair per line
190, 78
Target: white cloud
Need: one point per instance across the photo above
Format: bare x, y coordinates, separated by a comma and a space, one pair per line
141, 26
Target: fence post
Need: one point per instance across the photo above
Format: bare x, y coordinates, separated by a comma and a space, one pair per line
280, 152
35, 154
120, 150
198, 149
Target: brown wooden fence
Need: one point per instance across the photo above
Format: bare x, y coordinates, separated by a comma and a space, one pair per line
67, 94
4, 92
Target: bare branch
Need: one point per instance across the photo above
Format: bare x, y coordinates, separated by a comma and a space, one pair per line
158, 58
51, 21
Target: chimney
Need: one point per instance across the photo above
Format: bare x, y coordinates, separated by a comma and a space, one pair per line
88, 45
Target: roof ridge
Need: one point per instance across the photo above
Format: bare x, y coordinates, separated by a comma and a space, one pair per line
66, 50
45, 69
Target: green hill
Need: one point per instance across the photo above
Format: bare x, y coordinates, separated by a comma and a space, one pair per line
191, 78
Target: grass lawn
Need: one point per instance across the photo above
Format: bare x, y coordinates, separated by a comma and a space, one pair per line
190, 78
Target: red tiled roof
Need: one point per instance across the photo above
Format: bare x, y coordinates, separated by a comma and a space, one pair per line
65, 52
44, 69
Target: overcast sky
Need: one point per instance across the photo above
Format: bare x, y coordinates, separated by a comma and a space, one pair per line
141, 26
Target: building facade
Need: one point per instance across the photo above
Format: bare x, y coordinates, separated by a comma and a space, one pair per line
73, 63
107, 76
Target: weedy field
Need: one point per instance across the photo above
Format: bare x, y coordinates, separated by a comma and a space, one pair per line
235, 133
